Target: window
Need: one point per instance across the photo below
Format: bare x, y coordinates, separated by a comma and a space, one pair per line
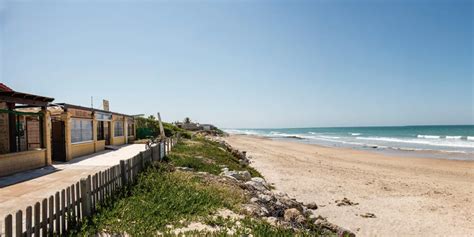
100, 130
118, 129
131, 130
81, 130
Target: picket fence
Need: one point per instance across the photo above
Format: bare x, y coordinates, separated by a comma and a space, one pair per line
58, 214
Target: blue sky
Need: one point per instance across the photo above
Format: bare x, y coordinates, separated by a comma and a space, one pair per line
248, 63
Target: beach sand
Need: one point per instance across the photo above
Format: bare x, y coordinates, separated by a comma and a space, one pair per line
409, 196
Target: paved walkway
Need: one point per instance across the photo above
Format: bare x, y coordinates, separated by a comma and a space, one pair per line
26, 188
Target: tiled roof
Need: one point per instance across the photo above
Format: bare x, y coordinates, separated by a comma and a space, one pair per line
3, 87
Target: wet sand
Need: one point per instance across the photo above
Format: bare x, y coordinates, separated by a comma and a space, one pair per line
408, 196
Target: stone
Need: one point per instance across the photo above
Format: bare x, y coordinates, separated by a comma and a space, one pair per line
264, 211
345, 202
344, 233
184, 168
258, 179
292, 215
256, 185
264, 198
239, 175
368, 215
272, 220
312, 205
251, 209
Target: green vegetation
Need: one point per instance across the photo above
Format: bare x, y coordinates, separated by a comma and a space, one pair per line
204, 155
149, 127
158, 199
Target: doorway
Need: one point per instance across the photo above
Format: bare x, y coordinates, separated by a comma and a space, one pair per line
58, 141
107, 132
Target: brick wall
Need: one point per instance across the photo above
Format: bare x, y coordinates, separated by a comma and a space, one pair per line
34, 140
21, 161
4, 144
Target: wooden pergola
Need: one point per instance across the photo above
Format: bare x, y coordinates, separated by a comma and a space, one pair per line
15, 97
12, 100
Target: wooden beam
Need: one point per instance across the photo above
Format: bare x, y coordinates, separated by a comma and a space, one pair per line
25, 101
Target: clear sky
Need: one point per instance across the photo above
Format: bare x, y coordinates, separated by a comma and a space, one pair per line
248, 63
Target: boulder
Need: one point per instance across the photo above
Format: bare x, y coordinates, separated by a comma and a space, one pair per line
259, 186
292, 215
264, 198
239, 175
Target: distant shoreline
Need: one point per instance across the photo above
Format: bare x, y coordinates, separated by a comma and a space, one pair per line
437, 142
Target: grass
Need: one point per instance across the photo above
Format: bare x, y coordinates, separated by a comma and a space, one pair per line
158, 199
208, 156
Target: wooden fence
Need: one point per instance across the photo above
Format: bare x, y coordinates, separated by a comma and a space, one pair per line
60, 213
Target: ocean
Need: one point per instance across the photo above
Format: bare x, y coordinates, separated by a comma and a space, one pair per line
450, 142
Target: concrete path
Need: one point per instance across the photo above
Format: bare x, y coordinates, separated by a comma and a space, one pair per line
26, 188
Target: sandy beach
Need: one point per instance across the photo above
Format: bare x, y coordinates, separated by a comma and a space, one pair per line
408, 196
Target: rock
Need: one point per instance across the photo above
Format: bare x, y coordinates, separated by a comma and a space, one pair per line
260, 180
345, 202
272, 220
184, 168
341, 232
239, 175
292, 215
264, 211
291, 203
254, 200
251, 209
264, 198
243, 162
312, 205
368, 215
255, 210
257, 185
277, 209
281, 195
344, 233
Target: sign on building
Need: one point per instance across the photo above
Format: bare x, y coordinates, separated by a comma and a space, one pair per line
105, 105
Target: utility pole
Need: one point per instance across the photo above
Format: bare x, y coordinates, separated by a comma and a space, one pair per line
162, 131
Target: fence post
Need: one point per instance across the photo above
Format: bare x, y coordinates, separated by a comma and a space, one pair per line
142, 161
161, 151
19, 223
130, 167
37, 218
151, 148
123, 173
86, 196
29, 221
9, 226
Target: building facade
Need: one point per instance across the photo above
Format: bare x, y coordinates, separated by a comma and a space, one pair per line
79, 131
24, 136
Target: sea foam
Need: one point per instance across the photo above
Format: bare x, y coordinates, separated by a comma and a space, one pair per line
429, 136
454, 137
434, 142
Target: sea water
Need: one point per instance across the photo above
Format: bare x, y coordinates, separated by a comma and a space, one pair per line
452, 142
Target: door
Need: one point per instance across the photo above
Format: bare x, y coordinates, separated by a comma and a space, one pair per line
58, 141
107, 132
